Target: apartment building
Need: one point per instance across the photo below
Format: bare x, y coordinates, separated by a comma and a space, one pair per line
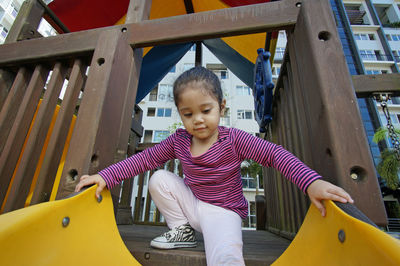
372, 29
8, 12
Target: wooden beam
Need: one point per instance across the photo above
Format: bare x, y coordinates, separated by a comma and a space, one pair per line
191, 27
366, 85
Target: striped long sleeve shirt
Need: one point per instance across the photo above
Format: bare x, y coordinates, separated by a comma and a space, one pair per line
214, 177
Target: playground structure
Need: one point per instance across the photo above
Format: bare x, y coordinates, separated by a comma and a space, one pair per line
315, 112
336, 238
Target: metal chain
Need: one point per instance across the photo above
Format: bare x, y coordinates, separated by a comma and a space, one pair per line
394, 138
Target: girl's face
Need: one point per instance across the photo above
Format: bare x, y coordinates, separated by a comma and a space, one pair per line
200, 112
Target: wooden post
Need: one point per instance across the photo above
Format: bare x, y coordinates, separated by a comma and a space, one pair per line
97, 130
124, 214
12, 103
339, 145
24, 27
137, 11
6, 79
260, 212
26, 23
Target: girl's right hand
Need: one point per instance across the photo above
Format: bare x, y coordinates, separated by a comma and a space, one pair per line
87, 180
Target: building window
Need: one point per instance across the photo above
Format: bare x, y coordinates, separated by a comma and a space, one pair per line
160, 135
373, 71
388, 37
250, 221
153, 94
363, 37
249, 182
151, 111
244, 114
148, 136
224, 74
279, 53
173, 69
396, 37
165, 93
243, 90
225, 120
4, 32
164, 112
368, 55
275, 71
14, 11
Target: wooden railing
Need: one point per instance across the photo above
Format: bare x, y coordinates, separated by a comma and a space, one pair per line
145, 212
54, 116
103, 105
33, 135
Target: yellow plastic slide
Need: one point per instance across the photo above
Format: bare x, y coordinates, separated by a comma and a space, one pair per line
339, 239
82, 231
74, 231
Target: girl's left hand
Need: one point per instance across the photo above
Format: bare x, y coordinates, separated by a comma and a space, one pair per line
320, 190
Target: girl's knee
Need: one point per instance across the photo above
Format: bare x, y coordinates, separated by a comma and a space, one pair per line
156, 179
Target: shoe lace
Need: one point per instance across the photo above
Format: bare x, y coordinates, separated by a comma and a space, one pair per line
173, 232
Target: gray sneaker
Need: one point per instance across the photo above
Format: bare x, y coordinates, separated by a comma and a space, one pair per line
182, 236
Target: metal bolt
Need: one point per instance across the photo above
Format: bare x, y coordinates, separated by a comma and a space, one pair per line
354, 176
147, 255
65, 221
100, 198
341, 235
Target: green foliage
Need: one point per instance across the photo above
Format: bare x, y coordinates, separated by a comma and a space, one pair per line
388, 168
172, 128
253, 169
395, 24
380, 135
389, 165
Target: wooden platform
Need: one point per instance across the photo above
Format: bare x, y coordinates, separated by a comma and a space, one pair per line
260, 247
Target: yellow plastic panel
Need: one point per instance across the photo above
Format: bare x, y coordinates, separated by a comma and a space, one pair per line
36, 236
317, 242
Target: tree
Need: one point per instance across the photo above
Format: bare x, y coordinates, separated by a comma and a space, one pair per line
389, 166
395, 24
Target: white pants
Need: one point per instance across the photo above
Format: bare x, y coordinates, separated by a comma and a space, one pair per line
221, 228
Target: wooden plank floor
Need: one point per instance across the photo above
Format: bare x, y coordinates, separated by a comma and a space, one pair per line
260, 247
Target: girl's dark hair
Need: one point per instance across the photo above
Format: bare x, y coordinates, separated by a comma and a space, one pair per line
210, 82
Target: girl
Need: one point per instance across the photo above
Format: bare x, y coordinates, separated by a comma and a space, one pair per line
210, 197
